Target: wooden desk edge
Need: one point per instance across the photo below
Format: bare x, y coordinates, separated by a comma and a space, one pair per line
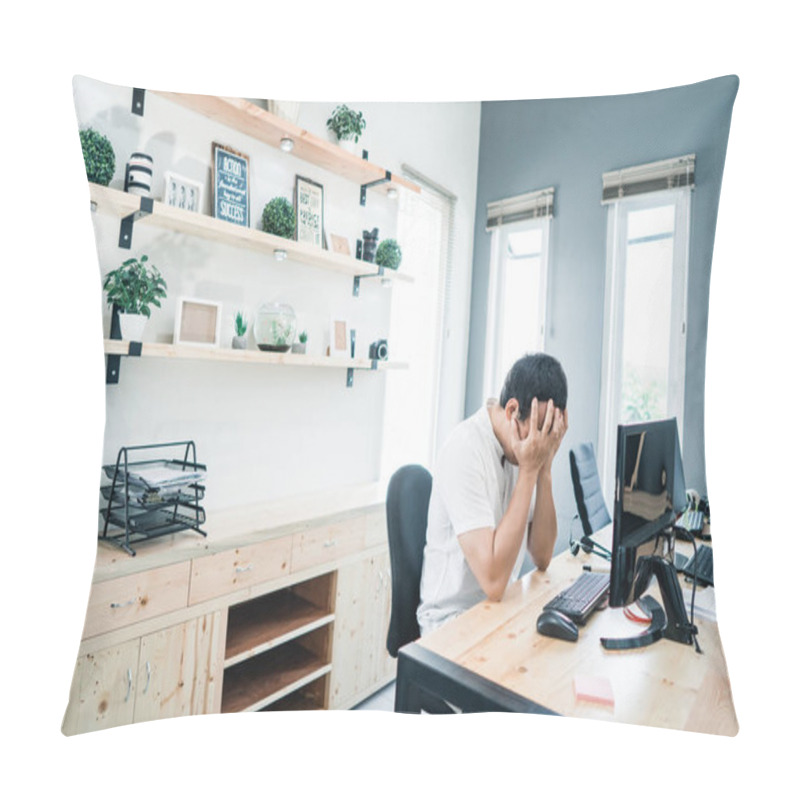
468, 691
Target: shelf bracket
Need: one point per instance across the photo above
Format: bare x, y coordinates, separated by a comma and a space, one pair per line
137, 103
113, 361
387, 178
357, 279
351, 370
126, 223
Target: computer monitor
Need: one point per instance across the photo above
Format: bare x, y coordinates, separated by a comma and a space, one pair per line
649, 495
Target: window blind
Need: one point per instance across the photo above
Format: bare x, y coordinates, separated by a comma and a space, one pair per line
672, 173
532, 205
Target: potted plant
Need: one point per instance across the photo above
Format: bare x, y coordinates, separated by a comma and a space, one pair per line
278, 218
133, 287
347, 125
389, 254
98, 156
300, 345
240, 340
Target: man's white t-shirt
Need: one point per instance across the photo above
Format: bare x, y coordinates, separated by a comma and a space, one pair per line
472, 487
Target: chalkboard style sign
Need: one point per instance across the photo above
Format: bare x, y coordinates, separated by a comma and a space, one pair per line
231, 183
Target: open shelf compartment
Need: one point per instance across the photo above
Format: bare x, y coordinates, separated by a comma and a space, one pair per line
277, 644
263, 679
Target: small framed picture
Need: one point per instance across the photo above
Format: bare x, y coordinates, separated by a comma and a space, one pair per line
308, 207
340, 339
197, 322
230, 183
338, 244
181, 192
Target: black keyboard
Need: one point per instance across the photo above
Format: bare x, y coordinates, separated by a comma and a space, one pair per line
578, 600
701, 565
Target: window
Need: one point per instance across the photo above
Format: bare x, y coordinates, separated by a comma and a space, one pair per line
644, 358
418, 314
516, 312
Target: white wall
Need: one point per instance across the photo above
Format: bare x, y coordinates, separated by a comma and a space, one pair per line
271, 432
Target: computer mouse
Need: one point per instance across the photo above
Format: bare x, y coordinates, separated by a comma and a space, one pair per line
557, 625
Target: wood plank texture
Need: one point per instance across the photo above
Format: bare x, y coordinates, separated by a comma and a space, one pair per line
262, 680
666, 685
124, 601
180, 670
121, 204
260, 124
269, 621
159, 350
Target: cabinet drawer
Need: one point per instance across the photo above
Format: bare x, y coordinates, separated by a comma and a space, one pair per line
222, 573
327, 543
123, 601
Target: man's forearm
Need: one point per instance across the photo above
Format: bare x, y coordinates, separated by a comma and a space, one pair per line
511, 530
544, 526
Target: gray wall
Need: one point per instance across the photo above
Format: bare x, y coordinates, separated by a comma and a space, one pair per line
568, 144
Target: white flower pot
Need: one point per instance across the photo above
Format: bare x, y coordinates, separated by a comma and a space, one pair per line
132, 326
348, 144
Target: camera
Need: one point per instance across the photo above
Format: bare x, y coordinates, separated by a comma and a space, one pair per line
379, 350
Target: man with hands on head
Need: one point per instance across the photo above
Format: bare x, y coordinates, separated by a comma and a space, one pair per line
492, 493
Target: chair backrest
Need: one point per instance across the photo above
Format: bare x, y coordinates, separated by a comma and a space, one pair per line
407, 498
588, 493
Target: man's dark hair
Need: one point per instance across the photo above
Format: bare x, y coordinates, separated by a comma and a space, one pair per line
535, 375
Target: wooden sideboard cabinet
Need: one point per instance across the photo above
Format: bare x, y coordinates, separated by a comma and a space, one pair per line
257, 617
168, 673
360, 658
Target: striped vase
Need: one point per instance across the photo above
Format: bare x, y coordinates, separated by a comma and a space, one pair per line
139, 174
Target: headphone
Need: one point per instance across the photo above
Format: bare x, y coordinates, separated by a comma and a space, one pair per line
587, 544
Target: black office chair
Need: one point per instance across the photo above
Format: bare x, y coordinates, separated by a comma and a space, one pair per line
407, 500
592, 509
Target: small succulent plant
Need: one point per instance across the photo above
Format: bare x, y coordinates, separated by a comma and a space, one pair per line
241, 324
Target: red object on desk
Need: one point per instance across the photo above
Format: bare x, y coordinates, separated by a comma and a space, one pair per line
594, 689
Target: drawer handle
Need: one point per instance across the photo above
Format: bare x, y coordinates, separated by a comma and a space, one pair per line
330, 543
130, 683
122, 605
244, 569
147, 684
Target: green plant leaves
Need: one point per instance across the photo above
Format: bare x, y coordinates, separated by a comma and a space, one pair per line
278, 218
388, 254
98, 156
134, 286
346, 123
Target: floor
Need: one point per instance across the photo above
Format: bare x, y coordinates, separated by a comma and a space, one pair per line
382, 700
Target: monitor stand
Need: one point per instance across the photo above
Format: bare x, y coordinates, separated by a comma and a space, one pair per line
669, 622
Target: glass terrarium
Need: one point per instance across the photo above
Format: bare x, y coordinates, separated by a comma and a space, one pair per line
275, 327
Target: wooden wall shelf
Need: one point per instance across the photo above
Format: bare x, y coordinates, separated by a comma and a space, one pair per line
248, 118
121, 347
121, 205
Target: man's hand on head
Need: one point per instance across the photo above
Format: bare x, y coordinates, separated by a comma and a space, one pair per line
536, 449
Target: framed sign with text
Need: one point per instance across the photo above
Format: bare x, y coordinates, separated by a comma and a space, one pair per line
230, 181
308, 200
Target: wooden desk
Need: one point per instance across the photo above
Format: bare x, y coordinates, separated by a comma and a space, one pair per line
492, 658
